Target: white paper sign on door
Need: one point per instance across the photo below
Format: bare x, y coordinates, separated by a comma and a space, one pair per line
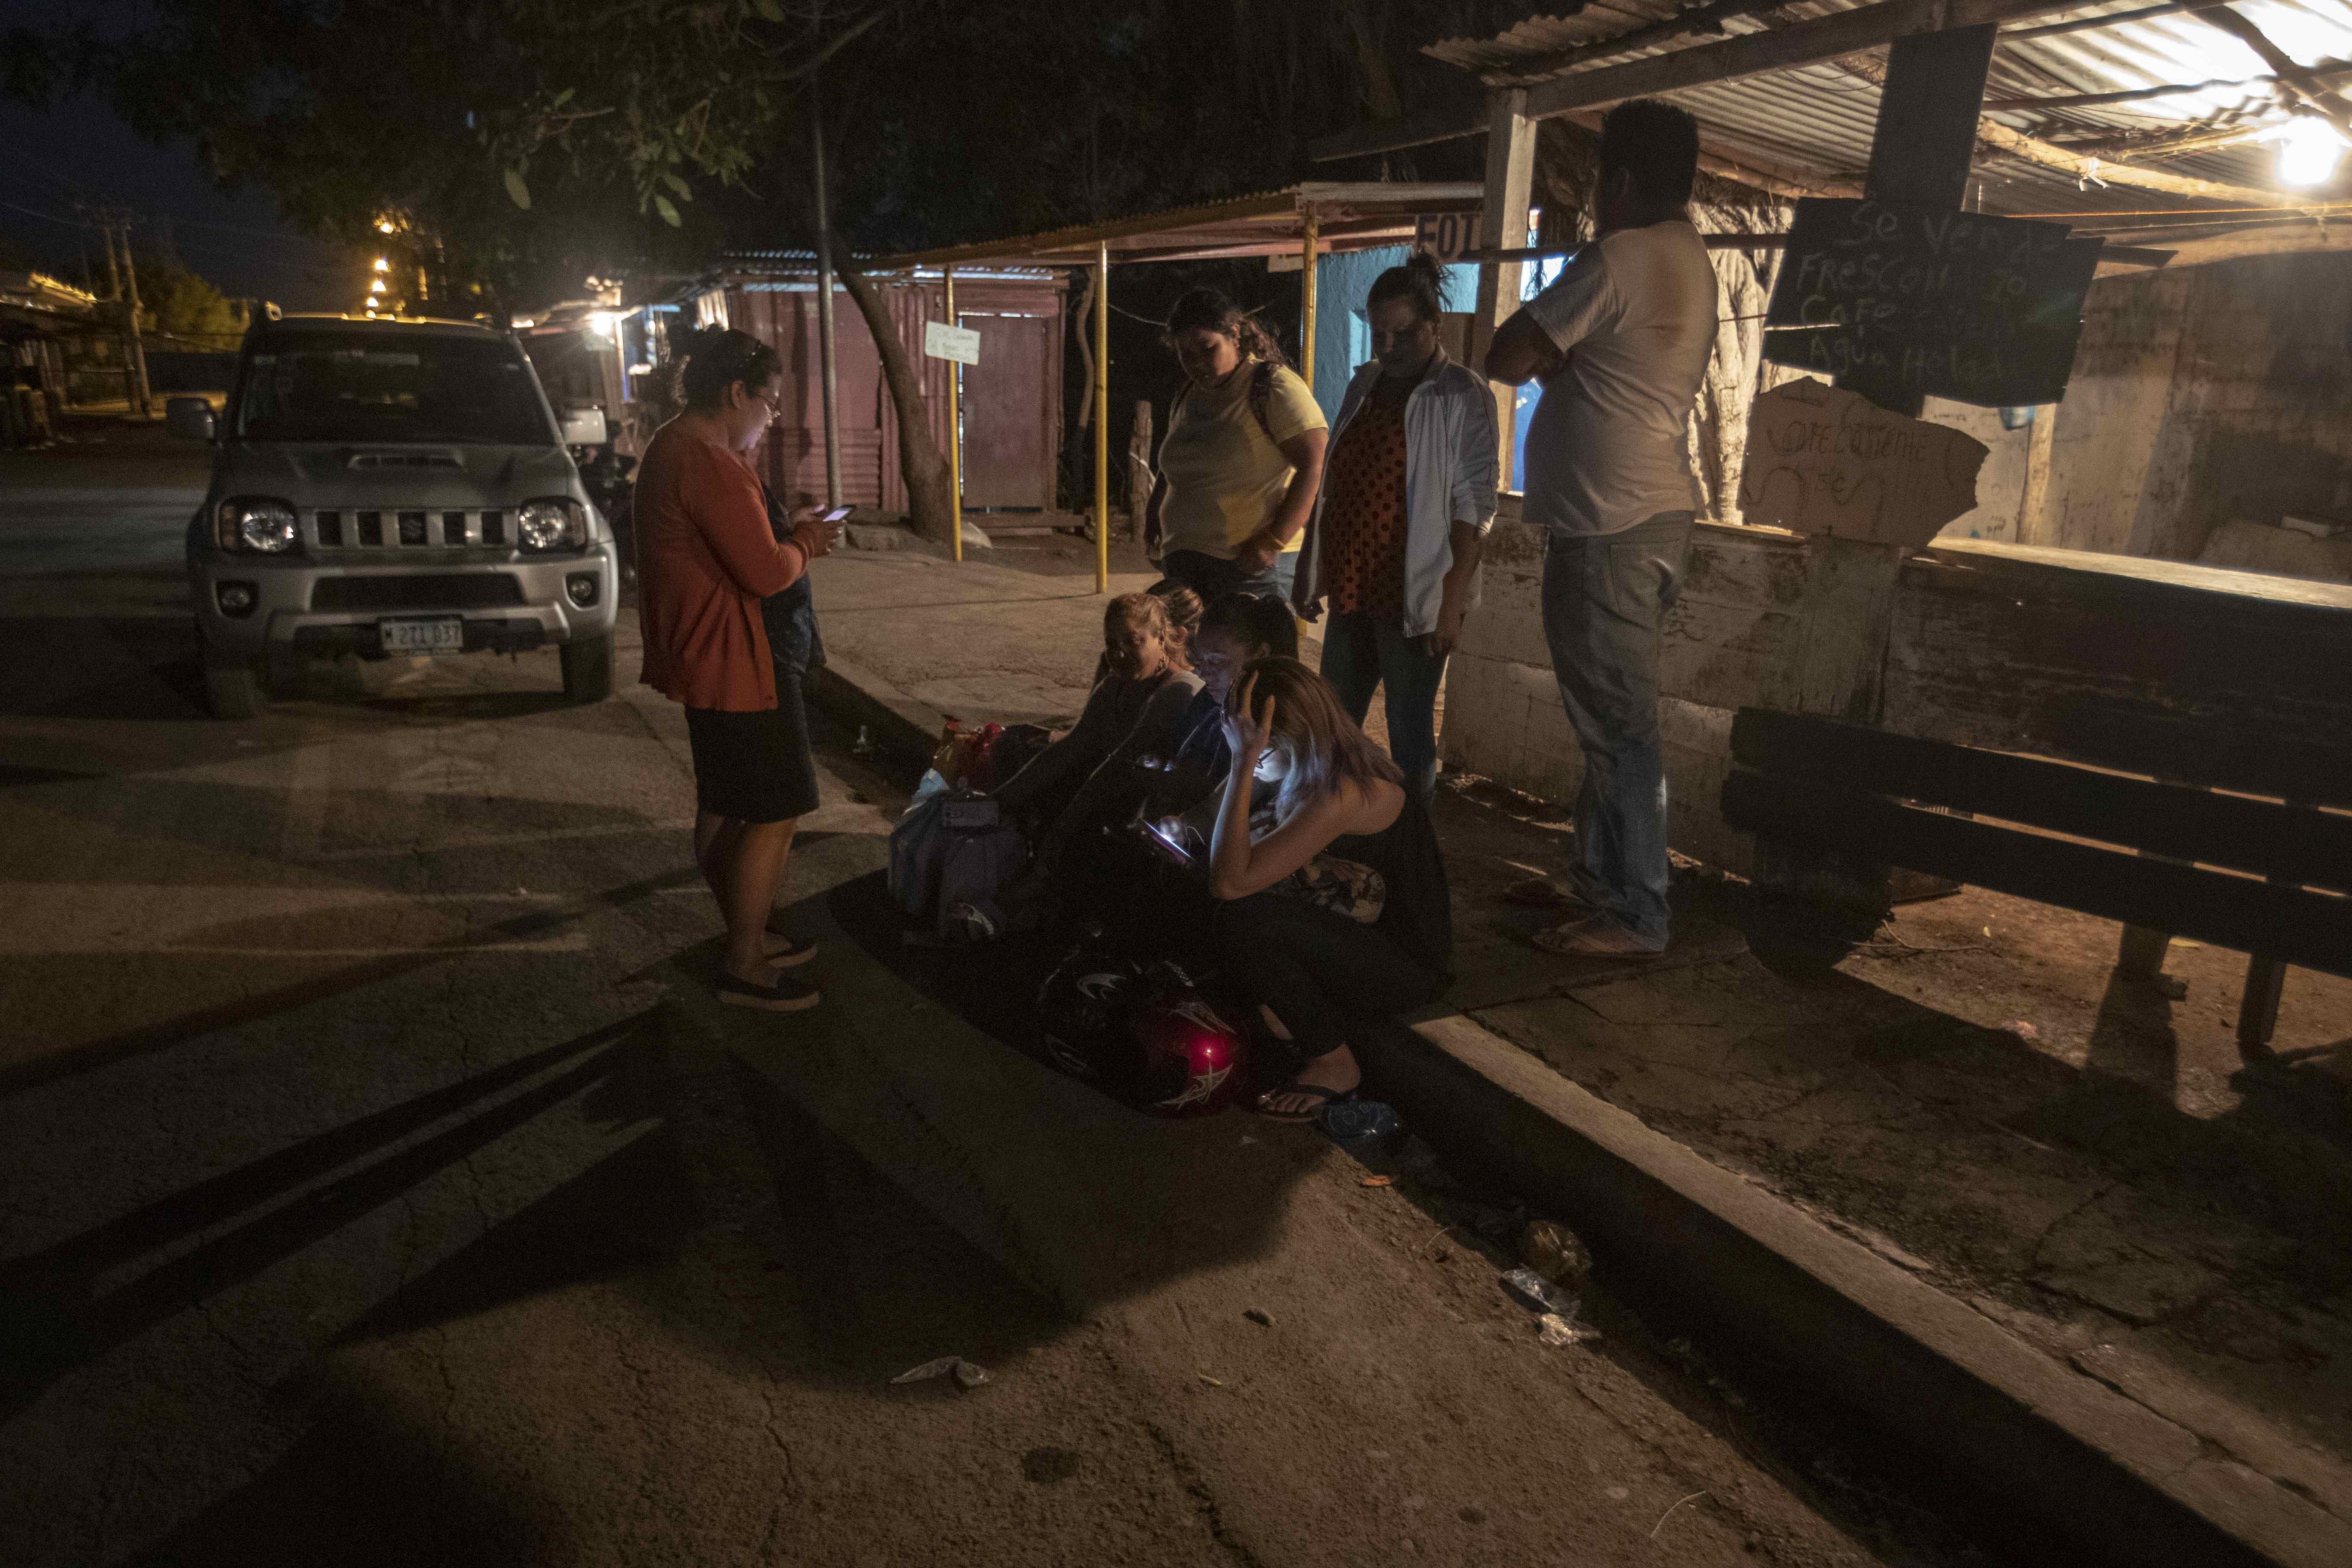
961, 344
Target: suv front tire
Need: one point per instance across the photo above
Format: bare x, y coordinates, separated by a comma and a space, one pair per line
238, 690
588, 669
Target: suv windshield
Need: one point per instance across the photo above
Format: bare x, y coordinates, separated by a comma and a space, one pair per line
386, 386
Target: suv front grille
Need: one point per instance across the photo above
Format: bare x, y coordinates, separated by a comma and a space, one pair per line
420, 591
406, 529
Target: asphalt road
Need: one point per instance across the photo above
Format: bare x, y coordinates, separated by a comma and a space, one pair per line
378, 1186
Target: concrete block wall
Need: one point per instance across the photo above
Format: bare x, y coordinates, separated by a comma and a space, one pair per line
1503, 714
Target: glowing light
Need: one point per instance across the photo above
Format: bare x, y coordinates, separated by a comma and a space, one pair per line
383, 225
602, 322
381, 265
2308, 150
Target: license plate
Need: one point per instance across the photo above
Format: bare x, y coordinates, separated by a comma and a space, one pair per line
446, 635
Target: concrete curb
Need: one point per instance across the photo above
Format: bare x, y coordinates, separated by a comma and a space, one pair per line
2119, 1482
856, 699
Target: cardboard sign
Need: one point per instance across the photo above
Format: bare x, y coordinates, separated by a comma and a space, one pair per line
1951, 304
961, 344
1824, 460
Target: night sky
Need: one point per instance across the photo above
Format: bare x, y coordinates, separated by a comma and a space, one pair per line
82, 151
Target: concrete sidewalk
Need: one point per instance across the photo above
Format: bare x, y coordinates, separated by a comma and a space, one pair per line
2127, 1312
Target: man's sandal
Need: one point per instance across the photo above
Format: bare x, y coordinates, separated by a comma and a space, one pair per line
1330, 1097
1596, 936
1543, 893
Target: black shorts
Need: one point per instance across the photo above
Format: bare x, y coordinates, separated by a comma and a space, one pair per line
754, 767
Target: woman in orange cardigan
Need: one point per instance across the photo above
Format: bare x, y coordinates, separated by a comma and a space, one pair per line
706, 560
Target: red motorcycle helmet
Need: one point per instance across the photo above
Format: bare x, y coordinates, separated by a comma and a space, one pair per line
1146, 1036
1192, 1062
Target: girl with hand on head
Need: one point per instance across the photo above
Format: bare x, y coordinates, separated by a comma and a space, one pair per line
1319, 969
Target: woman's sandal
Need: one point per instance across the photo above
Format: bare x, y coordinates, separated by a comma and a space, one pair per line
1331, 1097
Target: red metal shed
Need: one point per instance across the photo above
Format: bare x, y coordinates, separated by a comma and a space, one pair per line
1011, 399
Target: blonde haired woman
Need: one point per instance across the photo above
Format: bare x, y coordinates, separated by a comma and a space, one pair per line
1319, 966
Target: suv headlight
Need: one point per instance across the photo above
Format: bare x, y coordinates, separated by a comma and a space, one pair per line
258, 526
558, 523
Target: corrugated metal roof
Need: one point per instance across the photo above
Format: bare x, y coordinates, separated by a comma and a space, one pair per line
1819, 117
1352, 214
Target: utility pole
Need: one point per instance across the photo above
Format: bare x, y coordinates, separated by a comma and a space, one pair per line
125, 295
139, 399
829, 386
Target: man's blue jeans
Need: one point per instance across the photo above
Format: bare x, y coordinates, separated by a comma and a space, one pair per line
1362, 650
1605, 598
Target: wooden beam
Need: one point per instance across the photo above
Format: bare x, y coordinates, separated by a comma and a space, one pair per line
1801, 43
1992, 134
1999, 138
2112, 19
2300, 78
1392, 136
2036, 104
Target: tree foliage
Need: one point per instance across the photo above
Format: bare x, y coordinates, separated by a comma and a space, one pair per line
178, 303
539, 140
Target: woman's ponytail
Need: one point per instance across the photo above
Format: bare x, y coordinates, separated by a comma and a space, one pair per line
1421, 279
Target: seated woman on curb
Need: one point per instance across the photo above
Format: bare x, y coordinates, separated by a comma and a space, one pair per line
1315, 973
1137, 708
1236, 631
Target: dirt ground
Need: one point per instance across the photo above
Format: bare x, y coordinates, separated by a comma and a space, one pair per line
1976, 1096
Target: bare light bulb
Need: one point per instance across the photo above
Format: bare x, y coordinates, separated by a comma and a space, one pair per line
2308, 150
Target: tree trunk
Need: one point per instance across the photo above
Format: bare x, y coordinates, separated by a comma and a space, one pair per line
930, 499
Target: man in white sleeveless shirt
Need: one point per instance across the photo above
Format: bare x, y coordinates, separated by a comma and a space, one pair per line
1620, 342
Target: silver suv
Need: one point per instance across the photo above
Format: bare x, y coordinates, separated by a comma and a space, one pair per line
392, 487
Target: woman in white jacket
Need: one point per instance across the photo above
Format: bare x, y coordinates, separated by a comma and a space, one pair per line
1408, 496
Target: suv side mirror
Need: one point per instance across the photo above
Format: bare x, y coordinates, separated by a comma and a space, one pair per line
189, 418
583, 428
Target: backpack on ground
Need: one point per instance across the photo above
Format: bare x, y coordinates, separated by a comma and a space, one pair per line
952, 857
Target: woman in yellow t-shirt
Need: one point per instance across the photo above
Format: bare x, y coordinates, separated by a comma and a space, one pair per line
1243, 460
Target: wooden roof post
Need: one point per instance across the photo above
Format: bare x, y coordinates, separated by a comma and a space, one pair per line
1102, 416
1307, 306
1510, 183
955, 424
828, 380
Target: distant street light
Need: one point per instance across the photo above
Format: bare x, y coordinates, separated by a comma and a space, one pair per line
381, 265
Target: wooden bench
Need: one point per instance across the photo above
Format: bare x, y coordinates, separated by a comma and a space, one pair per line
2265, 877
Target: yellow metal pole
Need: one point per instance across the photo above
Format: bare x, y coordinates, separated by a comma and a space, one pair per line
955, 428
1307, 314
1102, 416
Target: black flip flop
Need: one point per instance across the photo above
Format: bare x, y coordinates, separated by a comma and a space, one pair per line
1331, 1097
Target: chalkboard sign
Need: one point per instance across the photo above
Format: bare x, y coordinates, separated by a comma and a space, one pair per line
1949, 304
